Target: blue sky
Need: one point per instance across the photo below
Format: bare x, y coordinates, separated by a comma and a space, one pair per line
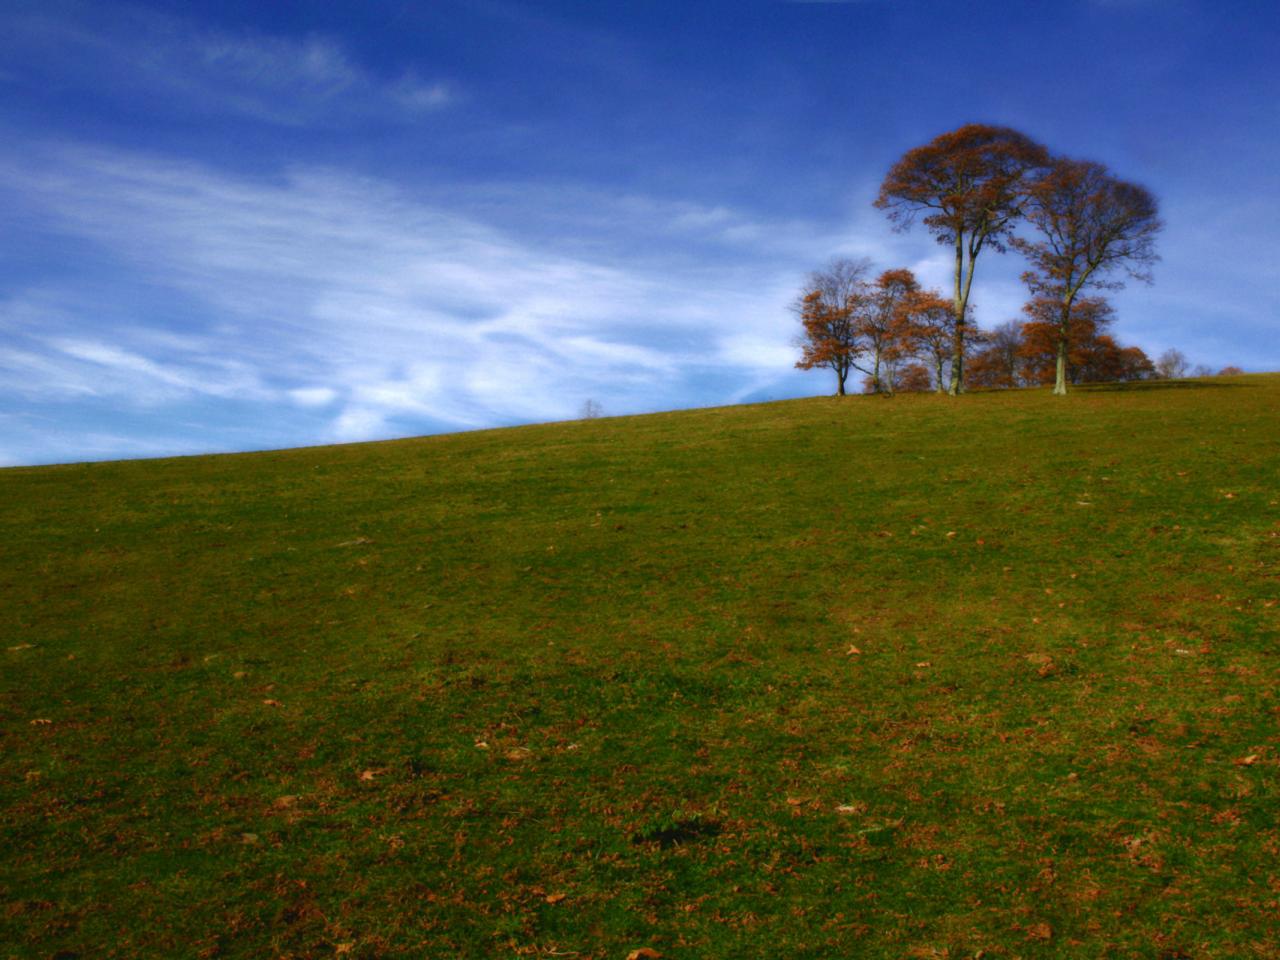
242, 225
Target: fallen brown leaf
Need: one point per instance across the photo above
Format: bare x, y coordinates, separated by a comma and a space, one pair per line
1042, 662
272, 703
644, 953
1039, 931
554, 897
1248, 761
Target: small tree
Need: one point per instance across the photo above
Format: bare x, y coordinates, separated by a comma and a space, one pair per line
1135, 364
970, 185
884, 326
931, 331
1091, 228
913, 378
1042, 341
1230, 372
1172, 365
999, 362
1093, 356
830, 336
590, 410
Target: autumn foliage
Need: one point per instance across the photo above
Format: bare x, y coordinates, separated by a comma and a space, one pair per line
1089, 230
899, 336
1026, 354
1081, 229
830, 307
968, 187
830, 339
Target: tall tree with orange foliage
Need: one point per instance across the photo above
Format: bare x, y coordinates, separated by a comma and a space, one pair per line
970, 185
1091, 230
831, 311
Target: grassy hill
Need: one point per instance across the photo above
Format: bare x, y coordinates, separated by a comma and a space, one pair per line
867, 678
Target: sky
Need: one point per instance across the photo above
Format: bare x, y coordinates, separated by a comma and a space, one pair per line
244, 225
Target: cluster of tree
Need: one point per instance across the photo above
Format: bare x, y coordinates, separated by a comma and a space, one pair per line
903, 338
1027, 354
898, 336
982, 188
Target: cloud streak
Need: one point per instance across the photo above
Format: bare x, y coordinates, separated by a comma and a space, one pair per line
354, 302
150, 57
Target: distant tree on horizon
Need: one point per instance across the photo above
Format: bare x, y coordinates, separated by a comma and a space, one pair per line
1231, 371
1135, 364
1090, 229
969, 187
1172, 365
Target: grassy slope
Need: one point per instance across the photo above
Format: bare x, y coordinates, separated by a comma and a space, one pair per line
394, 699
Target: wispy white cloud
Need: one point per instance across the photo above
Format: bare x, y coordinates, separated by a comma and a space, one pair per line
347, 297
420, 96
376, 312
167, 61
313, 396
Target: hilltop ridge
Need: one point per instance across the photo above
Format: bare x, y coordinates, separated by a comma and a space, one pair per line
867, 677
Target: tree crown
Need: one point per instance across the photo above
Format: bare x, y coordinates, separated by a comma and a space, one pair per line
970, 182
1090, 227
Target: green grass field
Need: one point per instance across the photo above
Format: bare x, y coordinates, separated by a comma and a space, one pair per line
918, 677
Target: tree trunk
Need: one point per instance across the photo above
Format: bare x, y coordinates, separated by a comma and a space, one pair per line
1064, 322
937, 369
1060, 384
840, 375
875, 374
957, 347
957, 361
961, 308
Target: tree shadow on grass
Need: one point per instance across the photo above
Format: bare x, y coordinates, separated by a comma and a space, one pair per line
1157, 385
